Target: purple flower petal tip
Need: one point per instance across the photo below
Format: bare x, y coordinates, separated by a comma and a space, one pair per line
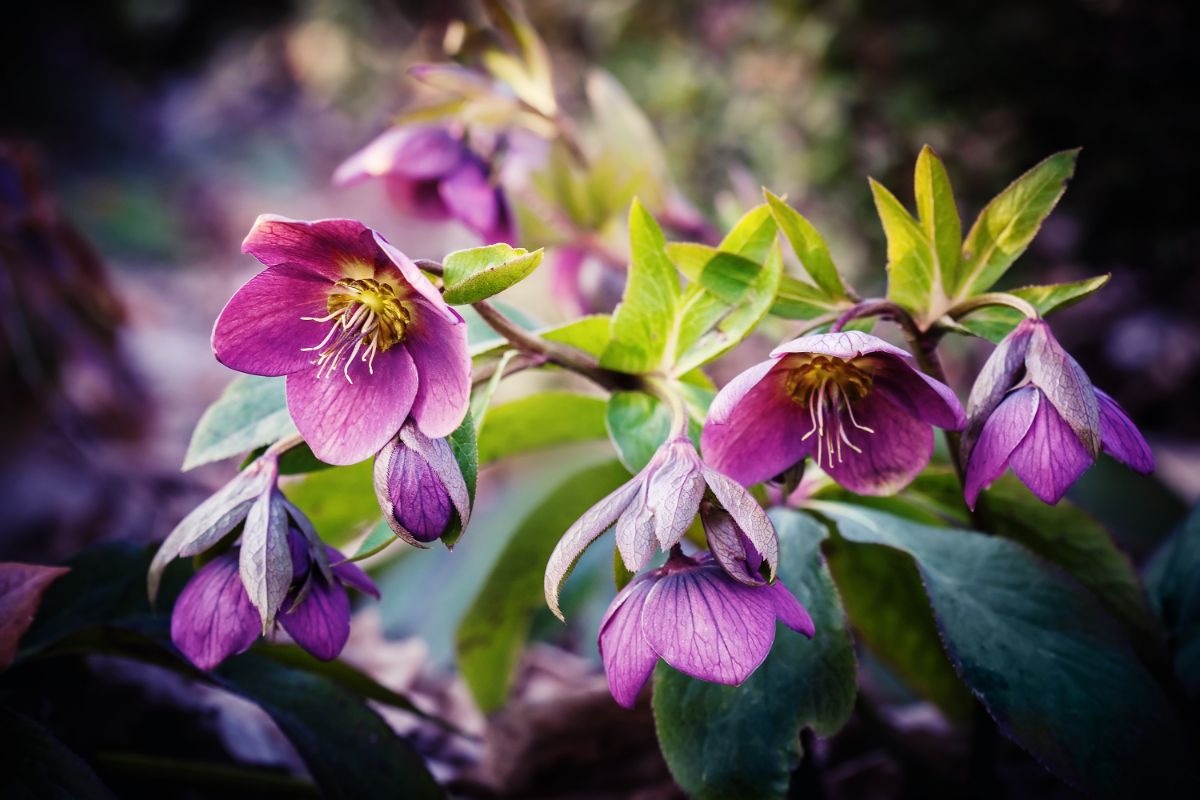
213, 618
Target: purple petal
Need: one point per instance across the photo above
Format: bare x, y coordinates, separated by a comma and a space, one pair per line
729, 546
846, 345
790, 611
919, 395
416, 279
707, 625
330, 248
754, 429
585, 530
350, 574
262, 330
321, 622
439, 350
413, 498
891, 457
752, 521
470, 196
301, 560
213, 618
999, 374
628, 658
440, 456
417, 199
1050, 458
418, 153
1065, 385
674, 489
1001, 434
635, 530
1121, 438
344, 422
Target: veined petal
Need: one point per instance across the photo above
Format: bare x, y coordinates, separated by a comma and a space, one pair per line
1050, 458
414, 500
585, 530
1005, 429
1065, 385
470, 196
628, 658
891, 456
419, 153
328, 248
439, 350
999, 374
264, 560
752, 521
345, 422
729, 546
263, 331
707, 625
846, 345
320, 623
213, 618
440, 456
919, 395
675, 486
635, 532
1121, 438
754, 429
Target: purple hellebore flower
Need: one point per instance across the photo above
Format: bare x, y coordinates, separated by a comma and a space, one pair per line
655, 508
431, 174
851, 400
698, 619
364, 338
1033, 409
588, 285
214, 618
420, 486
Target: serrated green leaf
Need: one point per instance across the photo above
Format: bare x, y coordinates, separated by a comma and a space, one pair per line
493, 631
1050, 664
913, 279
995, 322
642, 323
637, 424
480, 272
939, 217
752, 236
540, 420
250, 413
810, 249
738, 741
1009, 222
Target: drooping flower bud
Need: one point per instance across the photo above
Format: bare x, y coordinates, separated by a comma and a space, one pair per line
729, 546
420, 487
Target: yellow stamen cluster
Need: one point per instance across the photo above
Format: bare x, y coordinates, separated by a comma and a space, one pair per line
828, 388
367, 318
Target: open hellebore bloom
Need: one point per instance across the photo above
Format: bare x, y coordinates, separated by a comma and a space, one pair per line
698, 619
1033, 409
654, 509
850, 400
430, 173
420, 487
214, 618
365, 340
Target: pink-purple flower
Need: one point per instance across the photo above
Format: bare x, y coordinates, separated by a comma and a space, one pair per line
698, 619
214, 618
851, 401
1034, 410
420, 487
364, 338
432, 174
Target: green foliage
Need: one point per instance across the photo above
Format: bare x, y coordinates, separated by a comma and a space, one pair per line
1173, 579
637, 424
738, 741
1052, 667
995, 322
914, 281
480, 272
250, 413
938, 217
340, 502
540, 420
810, 249
38, 765
495, 627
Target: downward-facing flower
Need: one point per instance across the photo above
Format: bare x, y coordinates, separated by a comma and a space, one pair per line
420, 487
851, 401
654, 509
1033, 409
364, 338
214, 619
698, 619
430, 173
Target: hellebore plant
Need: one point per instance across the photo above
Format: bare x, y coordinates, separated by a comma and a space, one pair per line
420, 487
365, 340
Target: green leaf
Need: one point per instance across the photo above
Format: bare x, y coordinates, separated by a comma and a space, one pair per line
637, 424
480, 272
250, 413
752, 236
913, 278
540, 420
465, 447
590, 334
629, 158
348, 749
1050, 664
493, 631
1173, 579
738, 741
340, 502
37, 765
798, 300
938, 216
810, 249
379, 539
643, 321
1009, 222
995, 322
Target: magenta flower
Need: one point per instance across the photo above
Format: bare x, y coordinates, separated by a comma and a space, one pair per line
214, 619
698, 619
655, 508
850, 400
364, 338
431, 174
420, 487
1033, 409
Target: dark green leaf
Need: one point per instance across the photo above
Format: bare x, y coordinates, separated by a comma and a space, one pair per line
540, 420
480, 272
810, 249
738, 741
637, 424
466, 453
1173, 579
250, 413
37, 766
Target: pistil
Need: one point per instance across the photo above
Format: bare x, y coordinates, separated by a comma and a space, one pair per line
367, 318
828, 388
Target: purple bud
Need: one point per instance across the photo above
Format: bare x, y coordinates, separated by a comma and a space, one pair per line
420, 487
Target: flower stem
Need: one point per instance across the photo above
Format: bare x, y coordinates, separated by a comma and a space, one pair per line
878, 307
660, 388
994, 299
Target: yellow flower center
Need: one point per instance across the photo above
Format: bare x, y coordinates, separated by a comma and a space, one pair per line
828, 388
366, 319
